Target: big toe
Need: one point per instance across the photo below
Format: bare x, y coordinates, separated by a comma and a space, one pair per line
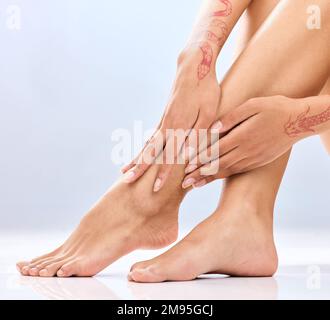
152, 273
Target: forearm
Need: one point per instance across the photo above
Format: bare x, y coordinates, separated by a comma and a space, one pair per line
215, 22
312, 118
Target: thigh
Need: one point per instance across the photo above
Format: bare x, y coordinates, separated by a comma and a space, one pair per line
326, 136
251, 21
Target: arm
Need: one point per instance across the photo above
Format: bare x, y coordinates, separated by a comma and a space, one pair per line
214, 24
314, 120
196, 94
259, 132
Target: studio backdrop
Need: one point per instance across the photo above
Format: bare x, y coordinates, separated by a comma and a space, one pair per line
76, 73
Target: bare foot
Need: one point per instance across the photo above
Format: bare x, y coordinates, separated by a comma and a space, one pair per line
125, 219
229, 242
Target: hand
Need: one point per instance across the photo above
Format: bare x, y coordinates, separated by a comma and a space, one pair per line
193, 104
258, 132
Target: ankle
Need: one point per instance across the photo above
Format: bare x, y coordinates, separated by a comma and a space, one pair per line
247, 210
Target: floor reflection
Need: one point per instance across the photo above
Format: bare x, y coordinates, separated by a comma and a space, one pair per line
292, 282
218, 288
107, 288
69, 289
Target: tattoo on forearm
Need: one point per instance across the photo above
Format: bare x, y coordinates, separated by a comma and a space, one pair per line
215, 32
205, 65
217, 36
226, 12
304, 123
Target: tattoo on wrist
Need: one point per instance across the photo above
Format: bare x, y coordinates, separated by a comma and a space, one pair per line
226, 12
205, 65
215, 32
304, 123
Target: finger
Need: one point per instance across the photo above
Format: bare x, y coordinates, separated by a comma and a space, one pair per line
216, 150
197, 177
147, 158
214, 169
200, 140
239, 167
179, 147
238, 115
134, 161
172, 154
128, 167
204, 181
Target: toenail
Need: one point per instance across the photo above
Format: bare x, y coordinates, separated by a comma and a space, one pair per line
60, 273
188, 183
144, 271
43, 272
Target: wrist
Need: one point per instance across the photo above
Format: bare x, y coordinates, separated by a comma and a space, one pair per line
188, 63
298, 125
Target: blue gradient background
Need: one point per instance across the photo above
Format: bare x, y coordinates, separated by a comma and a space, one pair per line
77, 71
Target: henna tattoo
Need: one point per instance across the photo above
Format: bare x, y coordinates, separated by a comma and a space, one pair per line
207, 36
219, 40
303, 123
226, 12
205, 65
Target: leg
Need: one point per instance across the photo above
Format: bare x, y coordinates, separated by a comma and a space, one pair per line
326, 136
238, 238
128, 217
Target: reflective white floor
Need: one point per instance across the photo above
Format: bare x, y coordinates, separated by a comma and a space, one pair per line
304, 274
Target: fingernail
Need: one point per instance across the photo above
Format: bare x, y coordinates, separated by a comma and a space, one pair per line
191, 168
188, 183
217, 126
129, 176
157, 185
200, 184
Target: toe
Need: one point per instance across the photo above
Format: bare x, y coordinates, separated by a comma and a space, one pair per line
25, 270
20, 265
33, 272
51, 269
50, 261
45, 256
69, 269
140, 265
152, 273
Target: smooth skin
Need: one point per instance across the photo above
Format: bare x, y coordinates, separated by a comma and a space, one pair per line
194, 102
132, 216
238, 238
259, 132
